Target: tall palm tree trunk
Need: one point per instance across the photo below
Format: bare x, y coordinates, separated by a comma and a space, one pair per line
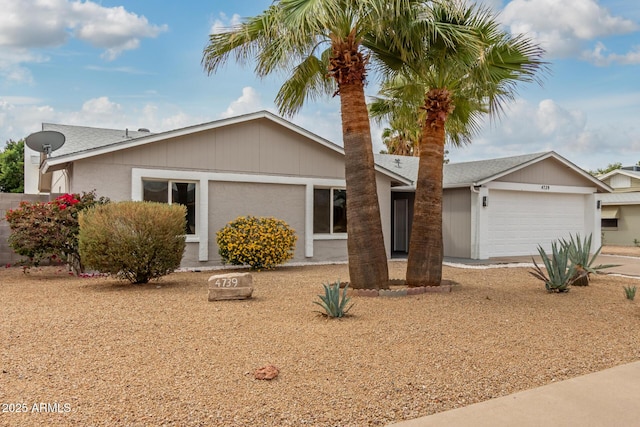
367, 256
426, 251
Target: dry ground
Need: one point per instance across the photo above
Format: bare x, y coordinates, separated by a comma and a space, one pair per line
161, 354
621, 250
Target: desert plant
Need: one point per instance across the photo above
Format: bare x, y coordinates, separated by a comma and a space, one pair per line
260, 242
630, 292
135, 241
561, 272
580, 256
333, 302
50, 230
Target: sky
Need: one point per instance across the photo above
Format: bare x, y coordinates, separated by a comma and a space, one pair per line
137, 64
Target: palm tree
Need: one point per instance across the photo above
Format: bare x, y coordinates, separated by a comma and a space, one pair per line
325, 45
402, 139
454, 86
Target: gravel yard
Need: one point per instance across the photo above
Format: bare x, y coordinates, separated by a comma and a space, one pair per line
102, 352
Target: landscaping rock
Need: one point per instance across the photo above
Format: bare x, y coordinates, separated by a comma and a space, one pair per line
231, 280
230, 286
267, 372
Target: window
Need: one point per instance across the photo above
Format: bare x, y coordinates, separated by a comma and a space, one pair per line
329, 210
183, 193
609, 223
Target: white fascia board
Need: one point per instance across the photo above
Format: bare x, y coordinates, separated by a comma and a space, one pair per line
539, 188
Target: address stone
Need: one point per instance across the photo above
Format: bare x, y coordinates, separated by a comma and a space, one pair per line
230, 286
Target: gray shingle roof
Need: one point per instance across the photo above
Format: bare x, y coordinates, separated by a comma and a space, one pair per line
82, 138
457, 174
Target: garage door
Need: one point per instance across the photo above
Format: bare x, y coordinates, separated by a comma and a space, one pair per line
520, 221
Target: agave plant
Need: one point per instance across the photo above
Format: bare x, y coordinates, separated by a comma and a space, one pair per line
630, 292
560, 270
580, 256
332, 302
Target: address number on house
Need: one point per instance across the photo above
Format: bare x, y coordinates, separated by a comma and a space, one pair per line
545, 187
226, 283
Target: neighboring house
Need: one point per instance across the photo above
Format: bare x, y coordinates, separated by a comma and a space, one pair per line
260, 164
621, 209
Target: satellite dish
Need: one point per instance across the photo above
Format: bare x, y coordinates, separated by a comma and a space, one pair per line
45, 141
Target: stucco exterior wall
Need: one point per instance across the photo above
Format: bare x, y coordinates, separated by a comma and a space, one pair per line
546, 172
109, 180
229, 200
456, 222
628, 227
259, 147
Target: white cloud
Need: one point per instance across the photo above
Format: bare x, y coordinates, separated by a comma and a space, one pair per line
25, 25
600, 56
547, 125
248, 102
11, 60
224, 23
563, 27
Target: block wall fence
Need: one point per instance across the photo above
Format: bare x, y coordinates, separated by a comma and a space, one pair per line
12, 201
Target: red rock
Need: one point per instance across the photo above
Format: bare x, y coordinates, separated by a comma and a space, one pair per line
267, 372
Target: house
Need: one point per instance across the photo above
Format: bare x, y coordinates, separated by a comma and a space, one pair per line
260, 164
621, 209
502, 207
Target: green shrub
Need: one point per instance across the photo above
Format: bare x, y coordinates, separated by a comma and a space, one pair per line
260, 242
561, 272
136, 241
332, 302
50, 230
630, 292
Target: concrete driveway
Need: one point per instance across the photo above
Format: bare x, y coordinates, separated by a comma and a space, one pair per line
627, 266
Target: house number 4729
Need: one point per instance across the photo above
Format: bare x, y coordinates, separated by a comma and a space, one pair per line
545, 187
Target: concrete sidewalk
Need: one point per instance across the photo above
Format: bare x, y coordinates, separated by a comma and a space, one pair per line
603, 399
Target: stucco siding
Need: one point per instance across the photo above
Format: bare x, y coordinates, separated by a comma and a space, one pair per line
109, 180
384, 200
622, 183
330, 251
456, 223
229, 200
257, 147
190, 257
628, 227
546, 172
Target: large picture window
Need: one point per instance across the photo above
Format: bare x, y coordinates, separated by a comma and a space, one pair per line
329, 211
183, 193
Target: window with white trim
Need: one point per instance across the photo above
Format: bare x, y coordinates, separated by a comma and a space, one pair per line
329, 210
168, 191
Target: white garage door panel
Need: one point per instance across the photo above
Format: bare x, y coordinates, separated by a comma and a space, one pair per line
520, 221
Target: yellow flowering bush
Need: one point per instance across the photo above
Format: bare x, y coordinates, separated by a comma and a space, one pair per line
260, 242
